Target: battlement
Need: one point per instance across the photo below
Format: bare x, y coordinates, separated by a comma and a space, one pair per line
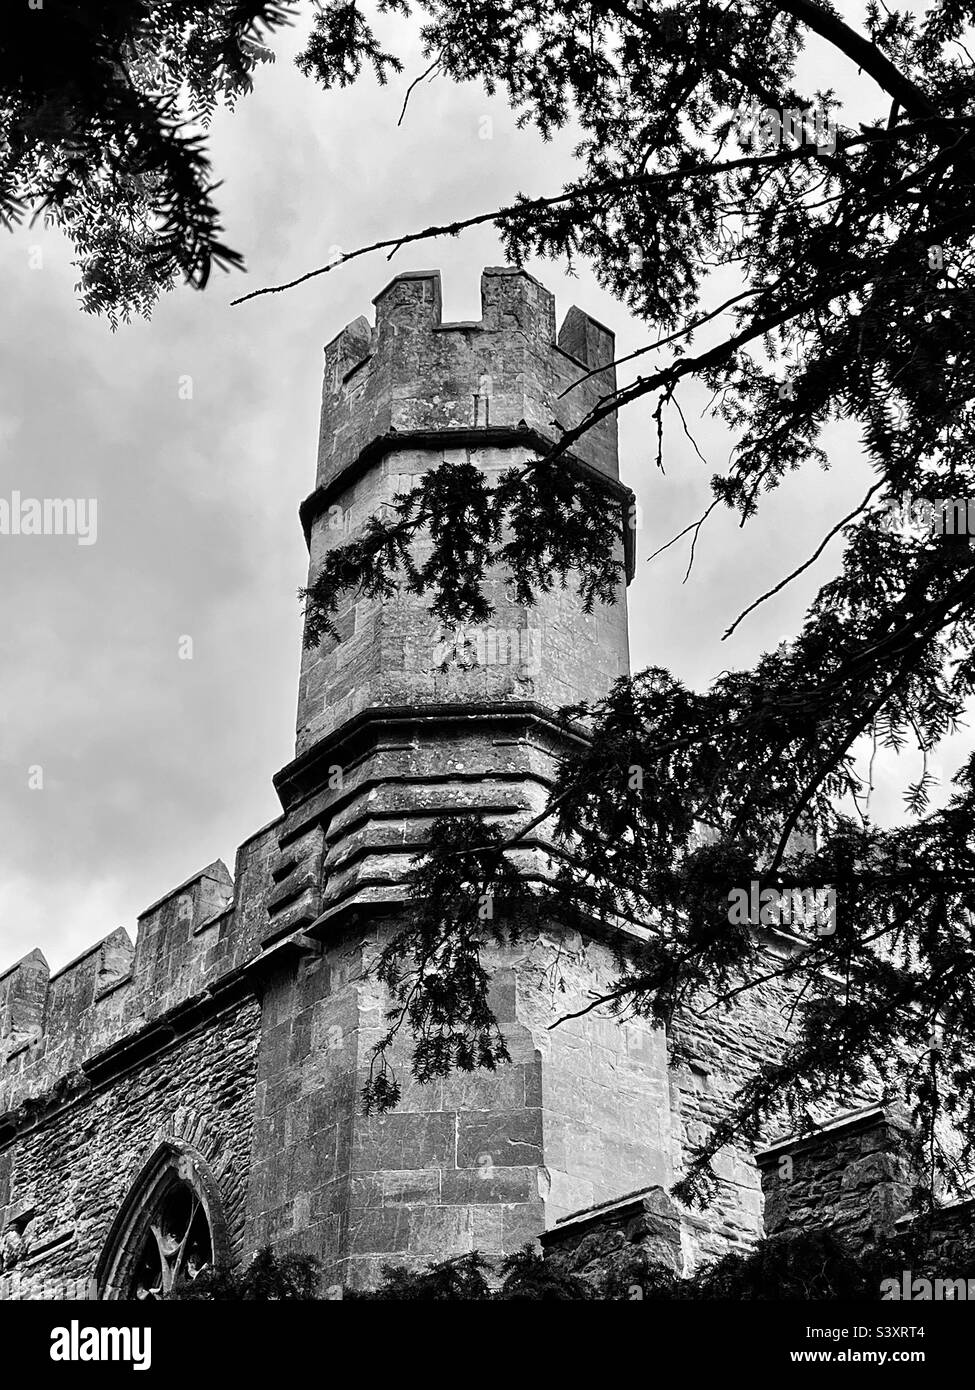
187, 942
413, 375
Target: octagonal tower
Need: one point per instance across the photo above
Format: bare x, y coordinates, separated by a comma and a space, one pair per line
399, 723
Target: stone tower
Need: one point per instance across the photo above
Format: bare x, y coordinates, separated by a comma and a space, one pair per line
388, 740
204, 1081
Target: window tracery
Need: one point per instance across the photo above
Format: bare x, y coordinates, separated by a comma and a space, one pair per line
170, 1228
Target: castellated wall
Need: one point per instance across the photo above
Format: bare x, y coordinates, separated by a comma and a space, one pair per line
265, 1085
127, 1049
74, 1166
257, 1063
259, 1070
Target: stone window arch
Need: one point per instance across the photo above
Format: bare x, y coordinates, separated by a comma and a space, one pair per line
170, 1226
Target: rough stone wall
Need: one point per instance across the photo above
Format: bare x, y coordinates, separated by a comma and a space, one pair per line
948, 1241
852, 1178
74, 1166
723, 1048
615, 1245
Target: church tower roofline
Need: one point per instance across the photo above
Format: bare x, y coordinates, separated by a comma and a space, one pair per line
410, 374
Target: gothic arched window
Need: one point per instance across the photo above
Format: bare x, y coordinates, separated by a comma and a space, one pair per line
170, 1227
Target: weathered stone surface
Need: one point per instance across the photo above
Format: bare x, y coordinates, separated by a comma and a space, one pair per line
73, 1168
486, 1143
612, 1246
852, 1177
423, 374
23, 995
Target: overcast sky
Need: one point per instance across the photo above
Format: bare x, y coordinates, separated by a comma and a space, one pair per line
153, 766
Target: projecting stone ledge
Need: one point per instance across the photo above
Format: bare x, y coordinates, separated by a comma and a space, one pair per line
614, 1245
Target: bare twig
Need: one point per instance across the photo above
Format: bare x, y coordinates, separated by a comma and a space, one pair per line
416, 82
812, 560
695, 525
702, 170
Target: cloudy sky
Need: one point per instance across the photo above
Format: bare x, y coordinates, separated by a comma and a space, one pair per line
150, 765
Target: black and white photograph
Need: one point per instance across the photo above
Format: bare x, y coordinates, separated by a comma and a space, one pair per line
487, 715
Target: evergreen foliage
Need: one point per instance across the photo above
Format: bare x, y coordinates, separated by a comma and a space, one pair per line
105, 106
803, 1266
848, 294
267, 1278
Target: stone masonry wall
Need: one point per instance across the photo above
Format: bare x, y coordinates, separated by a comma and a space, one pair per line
723, 1048
73, 1169
391, 650
614, 1245
481, 1161
852, 1178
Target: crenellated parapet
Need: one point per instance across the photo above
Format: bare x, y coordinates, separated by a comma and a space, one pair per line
193, 950
412, 375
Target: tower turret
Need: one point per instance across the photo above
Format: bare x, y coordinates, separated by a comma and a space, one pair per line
410, 720
398, 725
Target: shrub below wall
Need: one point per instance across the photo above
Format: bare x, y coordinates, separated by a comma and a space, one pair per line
808, 1267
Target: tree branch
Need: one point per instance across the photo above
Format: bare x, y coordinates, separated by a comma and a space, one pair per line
865, 54
705, 169
812, 559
